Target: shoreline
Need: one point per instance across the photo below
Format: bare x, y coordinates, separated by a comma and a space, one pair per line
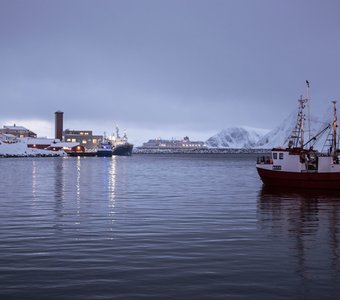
201, 151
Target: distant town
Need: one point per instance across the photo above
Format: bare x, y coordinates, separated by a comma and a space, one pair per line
17, 140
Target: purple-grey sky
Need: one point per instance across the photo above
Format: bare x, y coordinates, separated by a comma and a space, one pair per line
165, 68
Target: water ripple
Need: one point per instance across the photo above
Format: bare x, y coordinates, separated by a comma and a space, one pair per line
161, 226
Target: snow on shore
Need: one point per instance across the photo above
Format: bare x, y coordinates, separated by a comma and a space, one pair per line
19, 148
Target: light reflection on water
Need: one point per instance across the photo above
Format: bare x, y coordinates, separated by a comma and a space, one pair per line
112, 188
310, 222
34, 179
177, 227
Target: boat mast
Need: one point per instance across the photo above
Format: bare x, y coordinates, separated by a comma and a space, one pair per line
308, 108
334, 131
296, 138
302, 122
117, 132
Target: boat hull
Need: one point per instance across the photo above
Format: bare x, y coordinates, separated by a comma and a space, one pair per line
309, 180
81, 153
104, 153
122, 150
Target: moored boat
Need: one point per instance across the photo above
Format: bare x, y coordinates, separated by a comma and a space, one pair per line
82, 154
104, 149
120, 145
124, 149
300, 166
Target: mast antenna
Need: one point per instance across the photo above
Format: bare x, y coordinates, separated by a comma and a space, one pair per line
308, 108
296, 139
335, 125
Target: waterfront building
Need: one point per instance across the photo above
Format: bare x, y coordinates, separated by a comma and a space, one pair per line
18, 131
53, 144
84, 137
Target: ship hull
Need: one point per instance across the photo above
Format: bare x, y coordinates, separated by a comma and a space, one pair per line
81, 153
308, 180
122, 150
104, 153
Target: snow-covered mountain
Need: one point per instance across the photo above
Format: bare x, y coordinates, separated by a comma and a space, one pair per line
246, 137
236, 137
278, 137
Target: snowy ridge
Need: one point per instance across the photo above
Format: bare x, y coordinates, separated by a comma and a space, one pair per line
278, 137
236, 137
253, 138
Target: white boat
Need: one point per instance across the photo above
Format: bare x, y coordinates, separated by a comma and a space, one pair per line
300, 166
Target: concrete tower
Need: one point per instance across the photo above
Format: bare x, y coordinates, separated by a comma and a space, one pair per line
59, 119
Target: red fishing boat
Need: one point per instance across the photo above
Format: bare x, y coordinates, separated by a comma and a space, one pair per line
300, 166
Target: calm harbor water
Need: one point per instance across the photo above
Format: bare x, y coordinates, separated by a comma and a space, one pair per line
162, 227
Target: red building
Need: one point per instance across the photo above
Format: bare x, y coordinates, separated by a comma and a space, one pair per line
54, 145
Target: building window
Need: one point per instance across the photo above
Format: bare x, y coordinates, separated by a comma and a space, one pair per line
280, 155
84, 141
74, 140
274, 155
94, 141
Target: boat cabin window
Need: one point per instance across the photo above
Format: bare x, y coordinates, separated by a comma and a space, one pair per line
280, 155
274, 155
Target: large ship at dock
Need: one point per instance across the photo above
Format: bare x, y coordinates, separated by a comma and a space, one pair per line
299, 165
185, 143
115, 145
120, 145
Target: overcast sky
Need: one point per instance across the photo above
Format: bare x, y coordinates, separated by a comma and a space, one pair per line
165, 68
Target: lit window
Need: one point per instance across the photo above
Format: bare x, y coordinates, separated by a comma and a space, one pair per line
68, 140
84, 141
74, 140
94, 141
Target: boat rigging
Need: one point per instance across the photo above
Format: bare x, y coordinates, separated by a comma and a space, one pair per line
299, 164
